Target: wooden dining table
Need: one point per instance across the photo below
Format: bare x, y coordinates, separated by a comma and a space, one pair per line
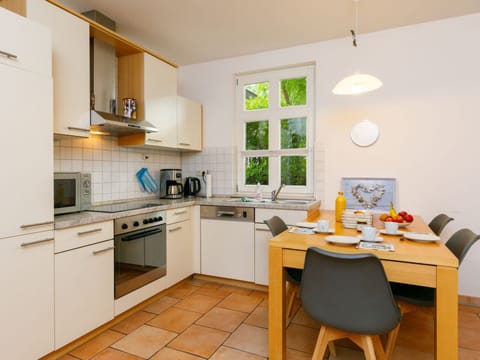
412, 262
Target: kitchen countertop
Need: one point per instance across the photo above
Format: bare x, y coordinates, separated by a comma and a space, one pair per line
88, 217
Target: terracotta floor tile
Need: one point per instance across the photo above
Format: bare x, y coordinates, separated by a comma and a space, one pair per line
469, 338
251, 339
297, 355
225, 353
97, 344
264, 303
161, 304
465, 354
403, 353
172, 354
199, 340
211, 285
68, 357
259, 317
222, 319
183, 291
215, 292
260, 294
133, 322
417, 331
301, 338
197, 302
175, 319
240, 302
237, 290
469, 320
112, 354
144, 341
302, 318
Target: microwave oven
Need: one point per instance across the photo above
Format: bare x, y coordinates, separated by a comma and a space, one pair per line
72, 192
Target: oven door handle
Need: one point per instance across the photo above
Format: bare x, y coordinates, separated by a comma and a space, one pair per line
140, 235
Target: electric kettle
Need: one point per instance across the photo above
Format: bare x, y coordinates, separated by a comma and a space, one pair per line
192, 186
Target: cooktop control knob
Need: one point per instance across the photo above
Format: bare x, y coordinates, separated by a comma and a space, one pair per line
150, 220
124, 226
145, 221
136, 223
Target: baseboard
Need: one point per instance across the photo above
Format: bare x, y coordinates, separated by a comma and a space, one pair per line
231, 282
469, 300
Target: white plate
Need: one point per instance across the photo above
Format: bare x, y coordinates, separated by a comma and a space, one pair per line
308, 225
421, 237
377, 239
398, 233
329, 231
401, 224
339, 239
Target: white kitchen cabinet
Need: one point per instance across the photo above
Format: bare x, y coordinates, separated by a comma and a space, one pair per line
263, 236
26, 304
26, 143
71, 67
84, 280
179, 245
227, 249
189, 124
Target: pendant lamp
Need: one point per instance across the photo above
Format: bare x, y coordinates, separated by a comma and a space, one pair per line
357, 83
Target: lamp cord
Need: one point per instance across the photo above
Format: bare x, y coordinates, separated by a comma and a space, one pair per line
355, 30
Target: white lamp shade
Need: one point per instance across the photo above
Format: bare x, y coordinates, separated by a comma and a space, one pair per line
357, 84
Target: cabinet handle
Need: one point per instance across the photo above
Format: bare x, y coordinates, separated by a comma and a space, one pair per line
184, 144
175, 229
77, 128
260, 229
35, 242
8, 55
180, 212
96, 252
155, 140
80, 233
26, 226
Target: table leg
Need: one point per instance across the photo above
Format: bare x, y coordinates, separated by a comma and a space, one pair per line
446, 316
276, 306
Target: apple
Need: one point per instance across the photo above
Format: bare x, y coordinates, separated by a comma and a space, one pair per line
398, 219
389, 219
402, 213
408, 218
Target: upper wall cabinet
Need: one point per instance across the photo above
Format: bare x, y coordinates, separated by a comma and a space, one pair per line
71, 67
17, 6
189, 124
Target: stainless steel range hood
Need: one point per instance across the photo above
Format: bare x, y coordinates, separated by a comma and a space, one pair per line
103, 86
106, 123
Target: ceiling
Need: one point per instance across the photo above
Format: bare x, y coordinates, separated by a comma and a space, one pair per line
194, 31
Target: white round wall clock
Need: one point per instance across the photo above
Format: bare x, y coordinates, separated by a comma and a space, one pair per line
365, 133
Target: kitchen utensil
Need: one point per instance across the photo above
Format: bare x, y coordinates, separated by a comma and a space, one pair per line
129, 107
174, 188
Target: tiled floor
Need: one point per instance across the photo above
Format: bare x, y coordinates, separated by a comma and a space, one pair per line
205, 320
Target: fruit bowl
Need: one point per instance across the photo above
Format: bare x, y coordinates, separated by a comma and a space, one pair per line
402, 224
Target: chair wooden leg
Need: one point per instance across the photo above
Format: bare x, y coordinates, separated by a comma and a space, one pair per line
321, 345
293, 291
391, 339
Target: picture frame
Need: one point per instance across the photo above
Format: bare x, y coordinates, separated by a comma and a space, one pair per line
373, 194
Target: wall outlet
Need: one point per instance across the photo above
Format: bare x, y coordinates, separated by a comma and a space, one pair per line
202, 172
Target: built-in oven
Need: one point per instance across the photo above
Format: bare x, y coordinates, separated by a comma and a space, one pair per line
140, 251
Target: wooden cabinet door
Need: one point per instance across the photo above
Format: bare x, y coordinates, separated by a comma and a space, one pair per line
26, 304
189, 124
179, 252
83, 290
71, 67
160, 89
17, 6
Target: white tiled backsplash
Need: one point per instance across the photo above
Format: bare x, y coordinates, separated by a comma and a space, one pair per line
112, 167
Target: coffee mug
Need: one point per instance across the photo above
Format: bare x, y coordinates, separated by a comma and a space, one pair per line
369, 233
391, 227
322, 225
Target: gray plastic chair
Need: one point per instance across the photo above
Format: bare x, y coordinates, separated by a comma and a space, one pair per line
294, 276
439, 222
350, 296
408, 295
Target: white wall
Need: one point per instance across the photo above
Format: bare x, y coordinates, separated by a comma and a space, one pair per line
428, 112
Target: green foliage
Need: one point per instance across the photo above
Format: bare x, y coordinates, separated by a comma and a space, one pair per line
256, 96
256, 170
293, 92
293, 170
293, 133
256, 135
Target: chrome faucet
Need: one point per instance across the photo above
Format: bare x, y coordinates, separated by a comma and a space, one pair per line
275, 193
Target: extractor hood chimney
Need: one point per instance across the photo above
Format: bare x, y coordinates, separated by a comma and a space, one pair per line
104, 118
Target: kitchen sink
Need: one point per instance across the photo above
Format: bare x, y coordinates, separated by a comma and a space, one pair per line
292, 201
267, 201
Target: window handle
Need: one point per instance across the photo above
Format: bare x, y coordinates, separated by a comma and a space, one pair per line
8, 55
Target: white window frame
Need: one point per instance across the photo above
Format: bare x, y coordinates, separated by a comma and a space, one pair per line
274, 114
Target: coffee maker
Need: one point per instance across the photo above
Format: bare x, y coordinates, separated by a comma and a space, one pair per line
171, 184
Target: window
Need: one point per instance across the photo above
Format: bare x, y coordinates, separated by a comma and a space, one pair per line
275, 117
